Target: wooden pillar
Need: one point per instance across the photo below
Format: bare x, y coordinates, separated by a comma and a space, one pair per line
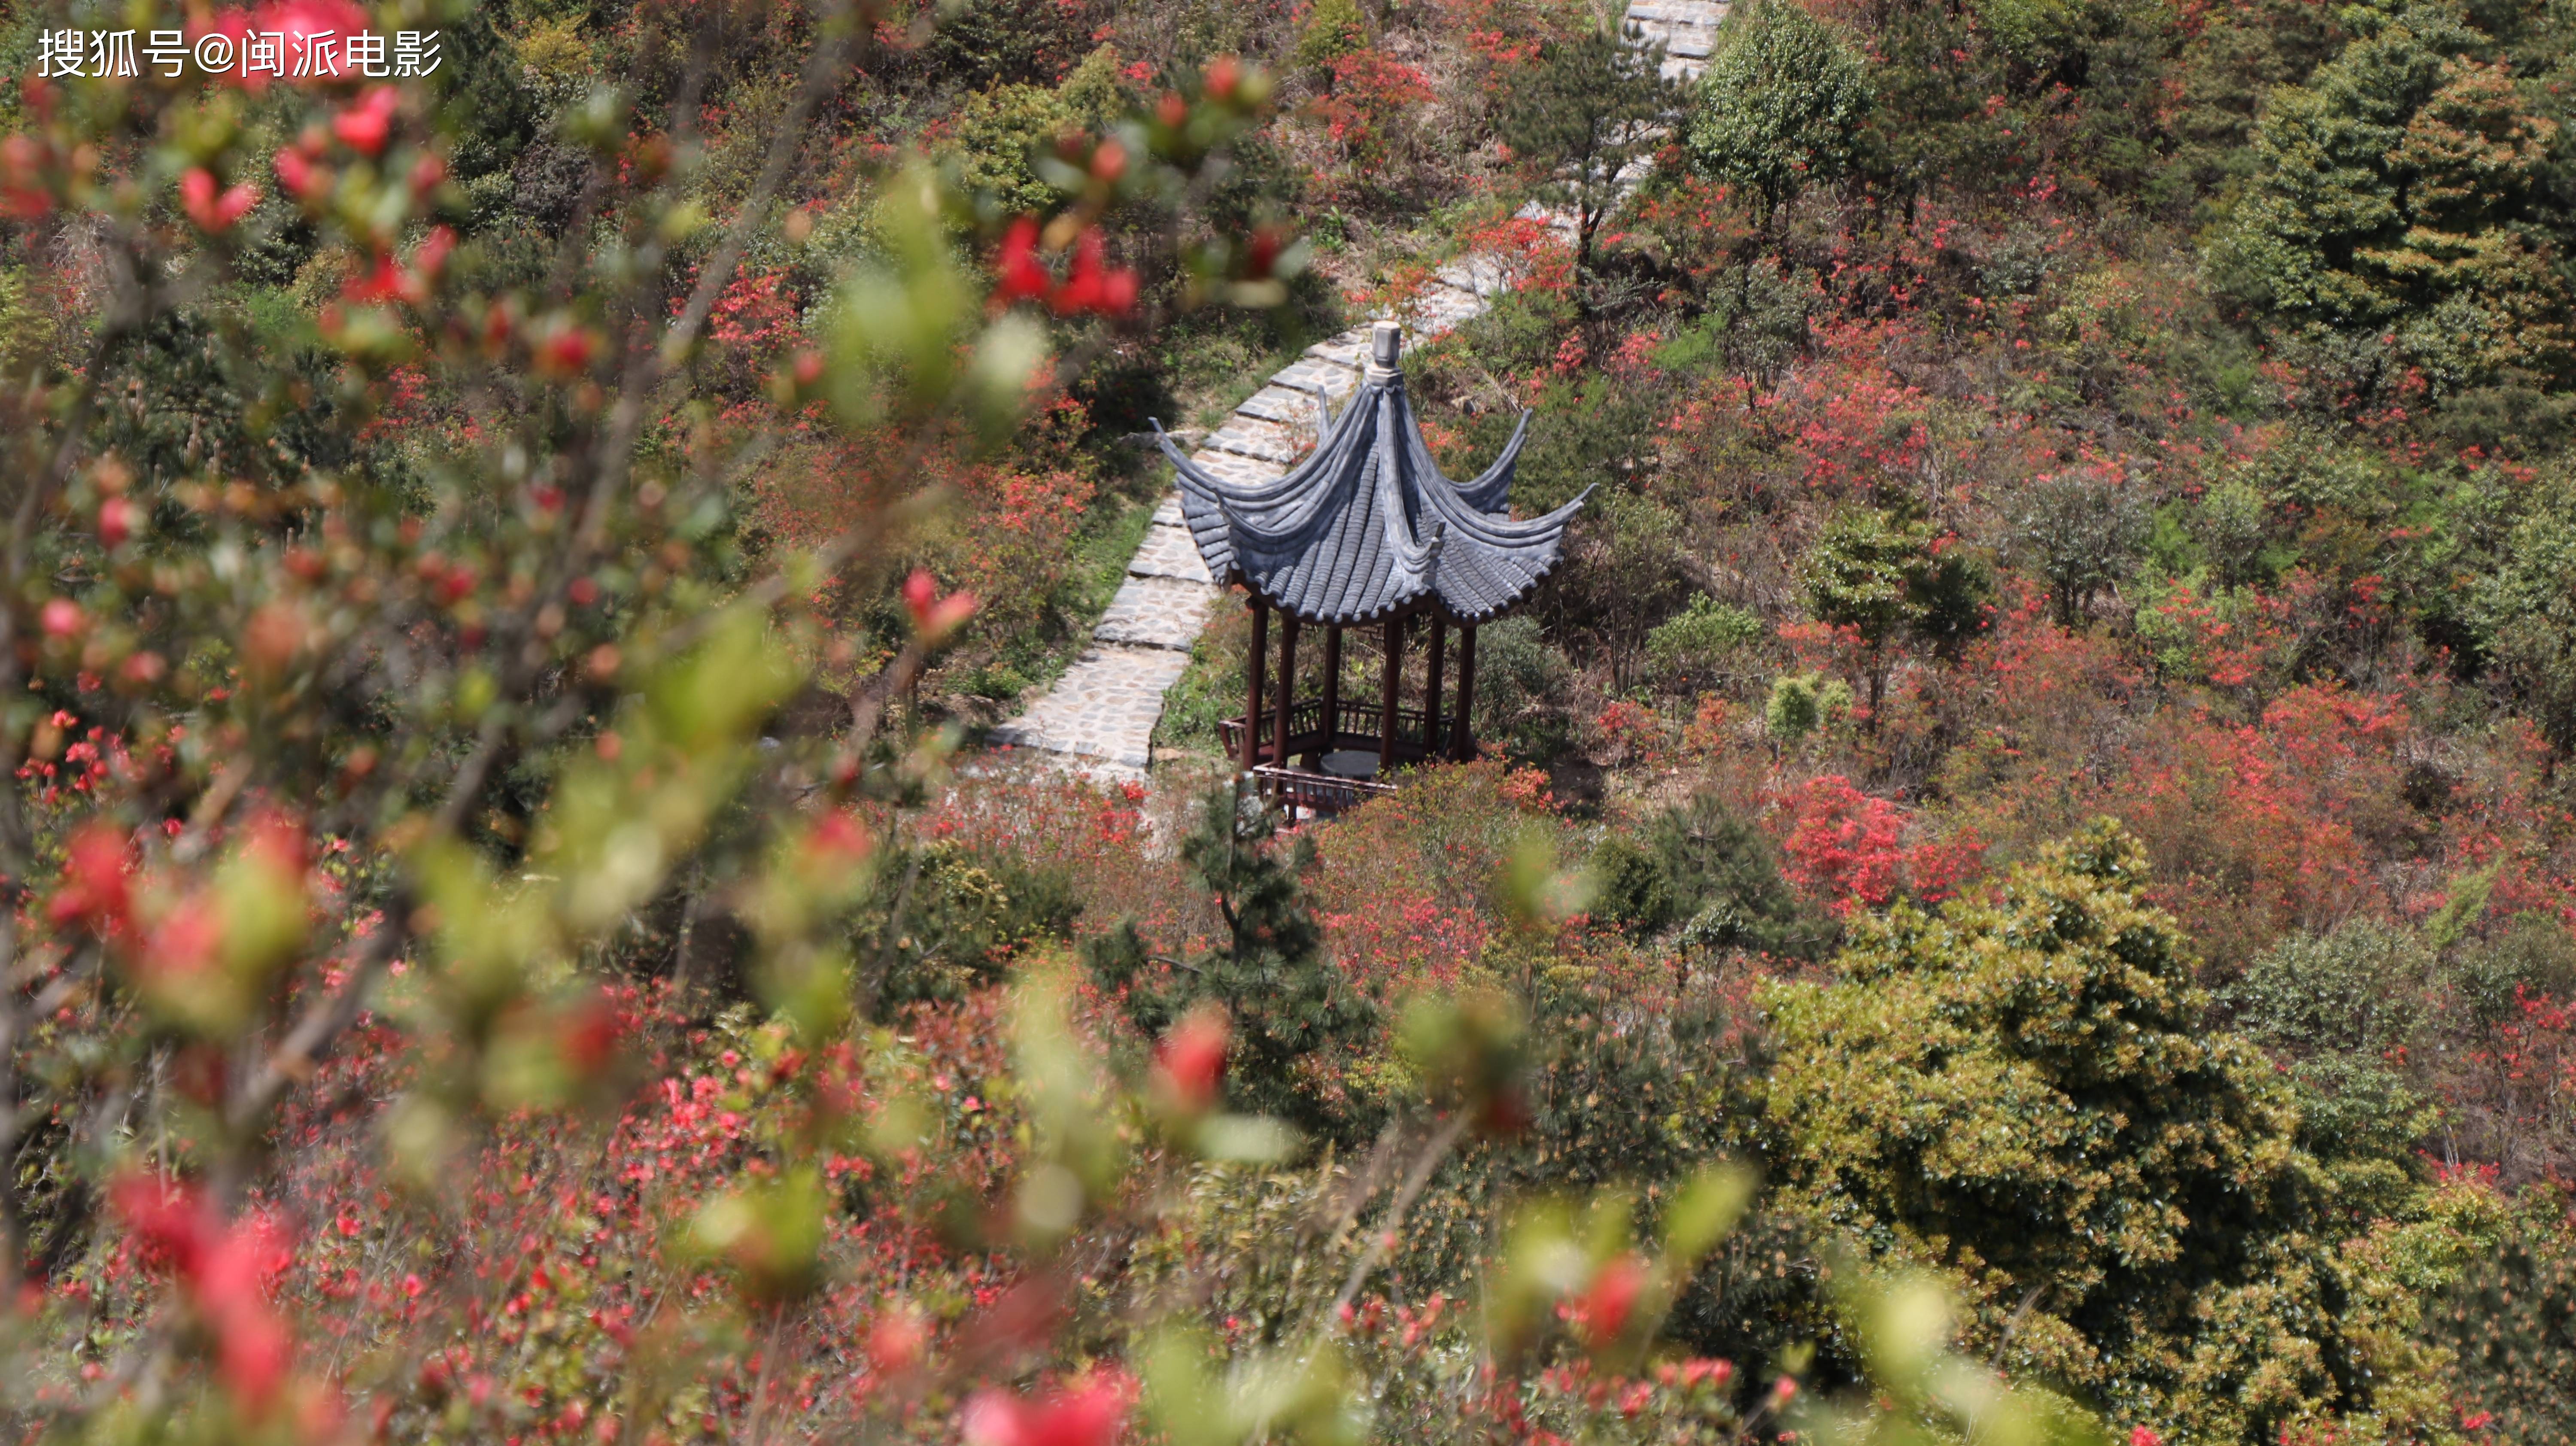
1389, 689
1462, 740
1332, 692
1260, 659
1287, 687
1431, 695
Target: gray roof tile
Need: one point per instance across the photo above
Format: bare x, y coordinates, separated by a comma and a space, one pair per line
1366, 525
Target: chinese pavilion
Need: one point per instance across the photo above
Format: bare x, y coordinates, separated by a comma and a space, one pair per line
1365, 531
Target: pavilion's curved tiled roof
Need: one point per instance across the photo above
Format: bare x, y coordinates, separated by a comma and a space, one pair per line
1366, 525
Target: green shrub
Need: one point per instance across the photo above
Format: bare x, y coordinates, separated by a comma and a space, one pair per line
1703, 867
2080, 535
1523, 683
2525, 611
27, 330
2024, 1089
2362, 1123
2510, 1325
994, 138
2360, 988
1805, 703
2533, 954
951, 920
1333, 29
1692, 644
1780, 104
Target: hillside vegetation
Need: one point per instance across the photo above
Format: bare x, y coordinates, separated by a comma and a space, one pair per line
2019, 889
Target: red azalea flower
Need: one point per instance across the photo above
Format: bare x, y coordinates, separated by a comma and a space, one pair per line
385, 282
1224, 74
94, 888
1021, 273
1190, 1062
213, 211
935, 617
302, 179
1612, 1298
365, 126
1091, 1416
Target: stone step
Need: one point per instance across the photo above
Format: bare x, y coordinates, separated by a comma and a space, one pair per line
1169, 551
1104, 707
1688, 41
1252, 437
1156, 612
1235, 466
1349, 348
1168, 514
1332, 380
1287, 406
1704, 13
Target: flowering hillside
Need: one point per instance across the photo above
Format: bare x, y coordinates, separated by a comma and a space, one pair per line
2019, 886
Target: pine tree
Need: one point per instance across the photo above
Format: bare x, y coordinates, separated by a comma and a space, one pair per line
1286, 1000
1593, 107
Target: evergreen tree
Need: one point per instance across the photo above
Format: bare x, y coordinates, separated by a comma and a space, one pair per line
1781, 104
1703, 866
1592, 109
2024, 1090
2400, 195
1286, 1000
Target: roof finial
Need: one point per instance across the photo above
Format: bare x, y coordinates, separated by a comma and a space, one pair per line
1386, 343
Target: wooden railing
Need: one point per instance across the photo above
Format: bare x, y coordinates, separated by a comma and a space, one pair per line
1358, 729
1290, 788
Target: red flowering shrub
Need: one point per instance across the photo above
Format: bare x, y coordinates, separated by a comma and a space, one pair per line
1848, 850
1370, 117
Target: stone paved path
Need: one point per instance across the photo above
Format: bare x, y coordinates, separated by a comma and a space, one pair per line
1099, 717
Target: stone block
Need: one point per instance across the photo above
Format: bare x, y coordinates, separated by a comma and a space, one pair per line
1156, 612
1290, 407
1251, 437
1169, 552
1104, 707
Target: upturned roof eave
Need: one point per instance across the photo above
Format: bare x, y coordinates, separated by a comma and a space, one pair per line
1367, 518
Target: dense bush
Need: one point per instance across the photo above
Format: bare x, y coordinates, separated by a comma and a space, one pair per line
2024, 1091
1702, 868
1781, 106
2360, 990
2510, 1323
